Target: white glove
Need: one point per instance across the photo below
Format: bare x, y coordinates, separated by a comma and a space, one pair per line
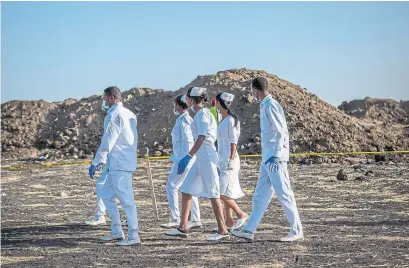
230, 165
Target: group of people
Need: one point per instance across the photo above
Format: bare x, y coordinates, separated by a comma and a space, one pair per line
200, 168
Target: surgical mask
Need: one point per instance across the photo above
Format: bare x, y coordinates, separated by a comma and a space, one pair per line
174, 111
193, 108
218, 111
104, 106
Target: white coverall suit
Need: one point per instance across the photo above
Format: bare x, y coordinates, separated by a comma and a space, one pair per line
202, 179
228, 134
274, 142
182, 140
119, 145
101, 209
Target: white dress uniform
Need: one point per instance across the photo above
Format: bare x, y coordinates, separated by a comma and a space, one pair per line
228, 134
274, 142
119, 145
182, 140
202, 180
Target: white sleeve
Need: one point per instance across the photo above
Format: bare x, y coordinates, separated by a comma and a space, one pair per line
108, 140
186, 136
233, 136
203, 123
277, 121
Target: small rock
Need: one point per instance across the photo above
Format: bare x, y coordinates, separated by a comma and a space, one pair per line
369, 173
380, 158
144, 152
64, 194
167, 152
361, 178
342, 176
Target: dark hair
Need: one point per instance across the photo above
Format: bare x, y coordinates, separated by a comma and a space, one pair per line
113, 91
196, 99
224, 105
178, 101
260, 83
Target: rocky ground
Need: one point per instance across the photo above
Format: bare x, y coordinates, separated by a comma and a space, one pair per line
72, 129
352, 218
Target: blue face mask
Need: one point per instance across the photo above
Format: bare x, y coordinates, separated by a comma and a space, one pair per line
193, 108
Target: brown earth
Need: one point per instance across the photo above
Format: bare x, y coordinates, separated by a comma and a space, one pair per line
35, 127
378, 110
353, 223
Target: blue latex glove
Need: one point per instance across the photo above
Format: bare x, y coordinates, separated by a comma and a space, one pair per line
272, 164
183, 164
91, 171
219, 171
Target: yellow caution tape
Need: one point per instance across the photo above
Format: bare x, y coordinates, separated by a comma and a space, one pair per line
45, 165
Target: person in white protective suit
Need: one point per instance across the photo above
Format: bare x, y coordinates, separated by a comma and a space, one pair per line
228, 133
119, 146
182, 140
202, 180
100, 210
273, 175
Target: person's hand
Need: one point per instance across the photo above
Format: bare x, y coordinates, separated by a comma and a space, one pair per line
230, 165
183, 164
91, 171
272, 164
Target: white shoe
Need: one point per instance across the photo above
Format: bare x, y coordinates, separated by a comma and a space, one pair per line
128, 242
292, 237
96, 221
124, 222
249, 236
112, 237
171, 224
194, 224
217, 236
240, 222
176, 232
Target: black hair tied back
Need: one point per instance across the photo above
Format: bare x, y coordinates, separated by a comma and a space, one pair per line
226, 106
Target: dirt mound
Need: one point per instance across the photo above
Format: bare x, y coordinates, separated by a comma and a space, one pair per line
72, 129
384, 110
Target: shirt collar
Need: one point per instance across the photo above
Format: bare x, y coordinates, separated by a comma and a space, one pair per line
266, 98
119, 104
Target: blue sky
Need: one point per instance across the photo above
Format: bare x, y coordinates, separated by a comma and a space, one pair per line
338, 50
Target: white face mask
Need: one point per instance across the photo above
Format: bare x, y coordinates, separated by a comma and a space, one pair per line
174, 110
193, 108
254, 96
104, 106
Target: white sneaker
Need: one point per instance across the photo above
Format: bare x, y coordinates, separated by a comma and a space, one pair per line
195, 224
171, 224
112, 237
217, 236
176, 232
128, 242
292, 237
240, 222
124, 222
96, 221
249, 236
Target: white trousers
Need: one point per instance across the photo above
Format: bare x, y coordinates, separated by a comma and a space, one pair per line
268, 183
100, 209
172, 188
119, 184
